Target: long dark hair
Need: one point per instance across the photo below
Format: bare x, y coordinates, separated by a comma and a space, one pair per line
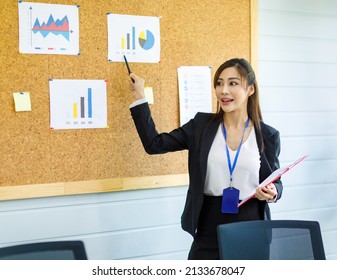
253, 107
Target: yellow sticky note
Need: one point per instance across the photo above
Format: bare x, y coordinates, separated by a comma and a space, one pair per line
148, 91
22, 101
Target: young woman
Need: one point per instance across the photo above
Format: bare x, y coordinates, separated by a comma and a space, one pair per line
229, 154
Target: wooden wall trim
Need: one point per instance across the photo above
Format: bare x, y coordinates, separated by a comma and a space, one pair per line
93, 186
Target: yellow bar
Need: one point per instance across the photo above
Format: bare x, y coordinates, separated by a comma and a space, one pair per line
123, 43
75, 110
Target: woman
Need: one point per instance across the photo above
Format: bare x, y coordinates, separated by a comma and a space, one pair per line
229, 154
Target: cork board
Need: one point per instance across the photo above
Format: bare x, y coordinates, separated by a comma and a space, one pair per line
36, 160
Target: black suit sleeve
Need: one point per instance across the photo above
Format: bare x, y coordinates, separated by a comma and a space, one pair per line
159, 143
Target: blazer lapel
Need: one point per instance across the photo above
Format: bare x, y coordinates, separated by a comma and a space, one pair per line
265, 168
207, 139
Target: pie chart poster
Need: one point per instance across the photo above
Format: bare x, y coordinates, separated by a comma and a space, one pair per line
136, 37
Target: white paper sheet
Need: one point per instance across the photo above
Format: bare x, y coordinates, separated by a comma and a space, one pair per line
48, 28
76, 104
137, 37
275, 176
195, 91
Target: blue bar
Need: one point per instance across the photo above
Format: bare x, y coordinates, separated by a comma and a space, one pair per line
133, 37
89, 103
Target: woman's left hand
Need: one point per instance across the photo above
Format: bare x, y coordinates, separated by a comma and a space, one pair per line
268, 192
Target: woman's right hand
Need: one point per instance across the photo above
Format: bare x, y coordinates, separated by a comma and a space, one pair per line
137, 86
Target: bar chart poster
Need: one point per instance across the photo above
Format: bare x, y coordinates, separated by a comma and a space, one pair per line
48, 28
137, 37
77, 104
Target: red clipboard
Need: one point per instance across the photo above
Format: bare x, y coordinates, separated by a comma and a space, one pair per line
274, 176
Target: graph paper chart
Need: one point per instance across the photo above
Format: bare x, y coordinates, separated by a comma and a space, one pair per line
137, 37
77, 104
48, 28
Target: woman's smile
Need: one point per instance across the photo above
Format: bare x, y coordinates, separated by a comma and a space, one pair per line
226, 100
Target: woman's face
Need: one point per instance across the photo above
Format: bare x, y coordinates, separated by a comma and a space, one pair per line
232, 92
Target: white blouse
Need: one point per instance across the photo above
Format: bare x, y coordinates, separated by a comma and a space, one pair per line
245, 174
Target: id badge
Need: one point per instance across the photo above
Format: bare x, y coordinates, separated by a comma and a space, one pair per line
230, 200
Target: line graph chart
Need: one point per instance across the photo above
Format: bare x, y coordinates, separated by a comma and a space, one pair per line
58, 27
48, 28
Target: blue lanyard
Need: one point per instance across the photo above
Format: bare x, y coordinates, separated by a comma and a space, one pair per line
230, 166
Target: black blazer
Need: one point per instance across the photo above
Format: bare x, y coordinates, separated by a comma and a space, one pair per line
197, 136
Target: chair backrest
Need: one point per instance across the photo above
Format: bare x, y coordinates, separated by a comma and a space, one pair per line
271, 240
56, 250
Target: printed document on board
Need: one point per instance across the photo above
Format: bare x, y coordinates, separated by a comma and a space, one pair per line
195, 91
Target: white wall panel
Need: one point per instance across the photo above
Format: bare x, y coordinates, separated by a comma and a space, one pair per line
298, 88
311, 172
329, 240
132, 244
297, 197
294, 74
297, 49
317, 147
300, 124
326, 7
294, 99
86, 219
297, 25
120, 225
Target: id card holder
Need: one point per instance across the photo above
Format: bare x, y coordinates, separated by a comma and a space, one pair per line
230, 201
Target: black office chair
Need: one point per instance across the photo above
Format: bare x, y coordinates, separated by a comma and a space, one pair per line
271, 240
56, 250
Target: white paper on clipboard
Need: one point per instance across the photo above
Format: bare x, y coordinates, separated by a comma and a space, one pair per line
274, 176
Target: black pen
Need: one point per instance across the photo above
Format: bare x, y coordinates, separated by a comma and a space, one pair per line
127, 66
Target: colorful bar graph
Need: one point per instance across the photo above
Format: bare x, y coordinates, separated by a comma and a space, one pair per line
82, 106
130, 41
76, 104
